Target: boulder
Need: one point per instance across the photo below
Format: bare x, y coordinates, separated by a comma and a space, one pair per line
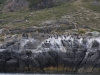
95, 44
94, 33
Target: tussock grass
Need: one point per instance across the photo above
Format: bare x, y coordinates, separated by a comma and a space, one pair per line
95, 6
34, 18
82, 14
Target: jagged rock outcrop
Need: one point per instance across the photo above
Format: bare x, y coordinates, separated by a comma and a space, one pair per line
58, 53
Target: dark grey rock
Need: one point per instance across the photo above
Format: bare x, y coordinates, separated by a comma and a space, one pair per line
25, 35
12, 64
95, 44
36, 56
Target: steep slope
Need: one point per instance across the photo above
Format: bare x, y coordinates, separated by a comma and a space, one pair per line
57, 39
75, 12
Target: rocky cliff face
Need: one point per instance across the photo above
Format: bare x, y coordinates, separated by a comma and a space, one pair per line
15, 5
57, 53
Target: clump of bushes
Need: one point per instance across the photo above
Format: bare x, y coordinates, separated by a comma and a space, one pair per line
33, 2
2, 1
82, 31
39, 4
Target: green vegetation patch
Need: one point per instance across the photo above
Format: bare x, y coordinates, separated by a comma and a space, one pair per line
93, 5
2, 1
34, 18
33, 2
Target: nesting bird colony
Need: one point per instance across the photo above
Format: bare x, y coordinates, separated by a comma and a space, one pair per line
71, 42
63, 43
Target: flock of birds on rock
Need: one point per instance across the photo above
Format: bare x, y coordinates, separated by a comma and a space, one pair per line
57, 42
66, 42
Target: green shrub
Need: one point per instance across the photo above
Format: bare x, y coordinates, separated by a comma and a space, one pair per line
40, 4
82, 31
33, 2
2, 1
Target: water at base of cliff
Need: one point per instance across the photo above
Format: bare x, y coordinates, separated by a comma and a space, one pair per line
43, 74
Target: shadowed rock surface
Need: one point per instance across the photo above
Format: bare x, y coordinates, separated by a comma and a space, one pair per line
56, 53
